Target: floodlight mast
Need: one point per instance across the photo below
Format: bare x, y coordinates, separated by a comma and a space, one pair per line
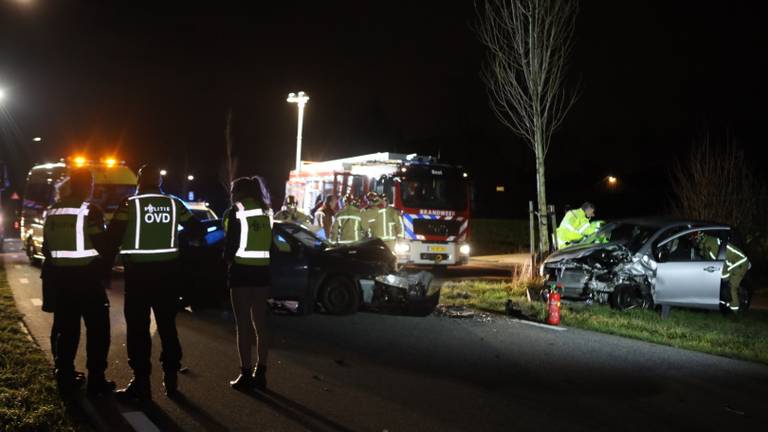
300, 99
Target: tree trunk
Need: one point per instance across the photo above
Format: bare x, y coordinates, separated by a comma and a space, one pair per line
541, 194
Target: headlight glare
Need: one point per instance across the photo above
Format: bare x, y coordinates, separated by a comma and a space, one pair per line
464, 249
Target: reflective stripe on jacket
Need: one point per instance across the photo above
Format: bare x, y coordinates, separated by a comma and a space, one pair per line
152, 227
66, 234
348, 226
255, 233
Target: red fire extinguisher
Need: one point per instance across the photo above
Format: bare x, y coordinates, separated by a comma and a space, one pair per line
553, 306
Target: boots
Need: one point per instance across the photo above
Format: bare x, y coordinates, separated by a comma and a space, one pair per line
68, 382
244, 381
138, 389
260, 377
171, 383
98, 385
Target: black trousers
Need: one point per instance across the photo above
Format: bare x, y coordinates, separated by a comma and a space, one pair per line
78, 299
152, 287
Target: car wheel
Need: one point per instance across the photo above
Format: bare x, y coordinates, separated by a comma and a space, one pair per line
626, 297
32, 252
340, 296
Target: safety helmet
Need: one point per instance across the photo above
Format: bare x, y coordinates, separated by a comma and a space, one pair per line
372, 198
350, 199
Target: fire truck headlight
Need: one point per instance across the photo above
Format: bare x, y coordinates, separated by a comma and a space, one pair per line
464, 249
402, 248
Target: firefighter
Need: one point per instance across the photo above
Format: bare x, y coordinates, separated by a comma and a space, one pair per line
74, 245
145, 229
369, 212
387, 224
576, 225
324, 215
348, 225
736, 267
247, 251
291, 213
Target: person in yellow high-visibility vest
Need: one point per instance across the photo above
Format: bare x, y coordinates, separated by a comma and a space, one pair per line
576, 225
77, 256
387, 223
348, 223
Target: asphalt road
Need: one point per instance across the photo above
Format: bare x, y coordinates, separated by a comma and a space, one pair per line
370, 372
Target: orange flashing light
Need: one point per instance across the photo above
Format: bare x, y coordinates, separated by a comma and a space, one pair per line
110, 162
79, 161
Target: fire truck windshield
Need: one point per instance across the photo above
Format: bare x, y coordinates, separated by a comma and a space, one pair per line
433, 192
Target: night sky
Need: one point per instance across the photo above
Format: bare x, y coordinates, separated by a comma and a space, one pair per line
155, 85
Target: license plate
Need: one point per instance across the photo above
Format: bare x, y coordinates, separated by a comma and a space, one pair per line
437, 249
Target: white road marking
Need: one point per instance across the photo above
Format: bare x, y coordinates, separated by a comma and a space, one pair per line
36, 302
535, 324
139, 421
24, 280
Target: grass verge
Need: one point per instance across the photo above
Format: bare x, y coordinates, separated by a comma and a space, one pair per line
29, 400
741, 337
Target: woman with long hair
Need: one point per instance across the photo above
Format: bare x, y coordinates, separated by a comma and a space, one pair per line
248, 225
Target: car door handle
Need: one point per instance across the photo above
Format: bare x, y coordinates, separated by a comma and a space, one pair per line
711, 269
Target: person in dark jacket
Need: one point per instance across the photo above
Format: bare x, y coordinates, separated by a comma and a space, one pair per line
248, 225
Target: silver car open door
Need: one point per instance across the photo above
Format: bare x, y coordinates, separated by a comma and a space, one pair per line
684, 276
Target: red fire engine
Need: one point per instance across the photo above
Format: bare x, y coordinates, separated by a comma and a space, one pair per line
433, 199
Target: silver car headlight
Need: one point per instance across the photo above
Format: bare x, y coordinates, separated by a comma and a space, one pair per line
393, 280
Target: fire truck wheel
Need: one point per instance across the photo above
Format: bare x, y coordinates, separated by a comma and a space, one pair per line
340, 296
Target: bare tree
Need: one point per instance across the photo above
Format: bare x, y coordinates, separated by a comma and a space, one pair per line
715, 184
529, 42
229, 169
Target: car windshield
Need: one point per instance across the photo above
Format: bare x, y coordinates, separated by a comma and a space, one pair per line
444, 193
203, 214
631, 235
109, 196
304, 236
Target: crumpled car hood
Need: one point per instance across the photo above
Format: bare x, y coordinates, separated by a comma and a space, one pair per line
578, 251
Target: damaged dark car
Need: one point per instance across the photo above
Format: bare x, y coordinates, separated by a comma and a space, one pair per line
343, 279
642, 263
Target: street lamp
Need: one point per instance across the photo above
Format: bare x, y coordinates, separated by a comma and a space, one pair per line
300, 99
163, 172
37, 139
190, 177
612, 180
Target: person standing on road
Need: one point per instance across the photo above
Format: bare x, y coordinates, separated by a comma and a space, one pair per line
145, 226
74, 246
348, 224
291, 213
576, 225
247, 250
324, 215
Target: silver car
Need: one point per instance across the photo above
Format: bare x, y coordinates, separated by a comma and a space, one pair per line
642, 263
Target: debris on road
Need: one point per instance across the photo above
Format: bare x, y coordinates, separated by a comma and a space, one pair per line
454, 311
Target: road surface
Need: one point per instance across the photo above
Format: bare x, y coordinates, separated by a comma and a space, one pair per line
370, 372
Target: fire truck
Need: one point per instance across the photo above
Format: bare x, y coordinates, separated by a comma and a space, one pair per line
432, 197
